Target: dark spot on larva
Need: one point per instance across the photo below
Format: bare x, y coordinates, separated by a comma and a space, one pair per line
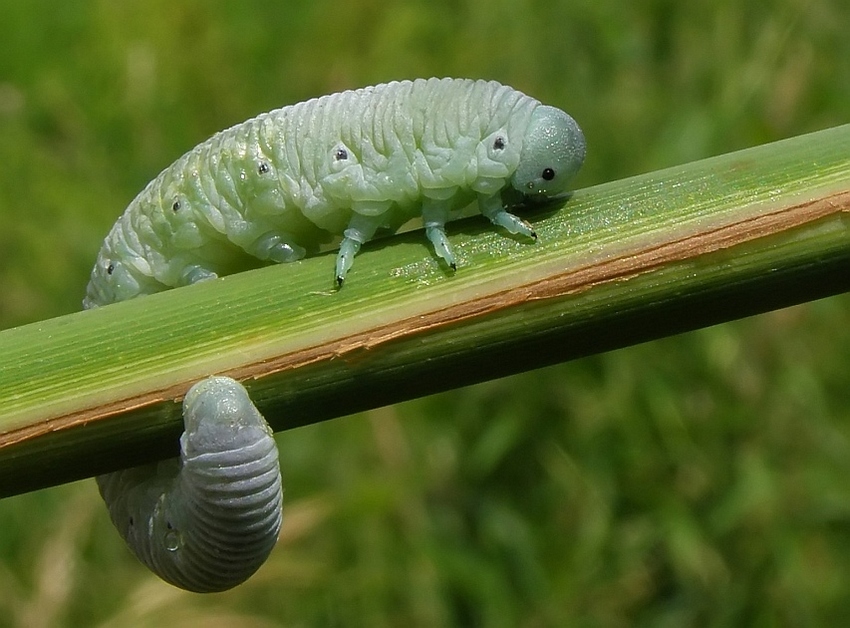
548, 174
175, 206
499, 143
132, 522
110, 268
341, 154
168, 525
263, 168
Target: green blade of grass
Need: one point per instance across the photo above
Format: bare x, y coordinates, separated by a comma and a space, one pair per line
616, 264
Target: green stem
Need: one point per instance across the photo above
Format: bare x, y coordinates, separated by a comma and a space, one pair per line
618, 263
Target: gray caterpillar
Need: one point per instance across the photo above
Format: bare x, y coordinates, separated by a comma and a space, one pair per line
275, 188
208, 520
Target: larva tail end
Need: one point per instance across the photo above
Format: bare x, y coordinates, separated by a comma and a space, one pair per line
208, 521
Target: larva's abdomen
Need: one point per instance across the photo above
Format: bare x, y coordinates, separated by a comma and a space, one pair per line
207, 521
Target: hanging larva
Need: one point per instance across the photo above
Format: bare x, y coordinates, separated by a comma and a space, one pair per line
208, 520
275, 188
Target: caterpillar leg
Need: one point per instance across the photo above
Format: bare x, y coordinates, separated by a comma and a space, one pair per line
360, 230
194, 273
277, 248
208, 520
435, 214
491, 207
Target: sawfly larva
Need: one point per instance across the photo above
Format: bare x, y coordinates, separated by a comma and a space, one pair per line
279, 185
207, 520
275, 188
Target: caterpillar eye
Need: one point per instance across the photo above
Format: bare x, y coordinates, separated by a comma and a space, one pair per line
263, 167
499, 143
341, 154
110, 269
548, 174
175, 206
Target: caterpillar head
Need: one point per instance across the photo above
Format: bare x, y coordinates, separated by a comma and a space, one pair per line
552, 153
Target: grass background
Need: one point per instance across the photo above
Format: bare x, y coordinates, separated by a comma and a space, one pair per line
699, 480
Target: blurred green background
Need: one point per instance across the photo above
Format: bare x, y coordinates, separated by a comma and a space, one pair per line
701, 480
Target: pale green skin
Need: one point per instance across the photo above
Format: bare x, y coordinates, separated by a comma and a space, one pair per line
276, 187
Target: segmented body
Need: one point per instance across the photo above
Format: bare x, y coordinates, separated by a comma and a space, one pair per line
208, 520
277, 186
273, 189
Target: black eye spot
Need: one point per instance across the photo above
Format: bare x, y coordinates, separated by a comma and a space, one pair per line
132, 521
341, 154
110, 269
175, 206
548, 174
499, 144
263, 168
168, 525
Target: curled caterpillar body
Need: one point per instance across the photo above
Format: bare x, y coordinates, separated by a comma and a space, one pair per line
276, 187
208, 520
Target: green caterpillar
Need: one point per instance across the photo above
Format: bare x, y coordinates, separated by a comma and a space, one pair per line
275, 188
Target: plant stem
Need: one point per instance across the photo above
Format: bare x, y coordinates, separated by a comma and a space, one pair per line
616, 264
